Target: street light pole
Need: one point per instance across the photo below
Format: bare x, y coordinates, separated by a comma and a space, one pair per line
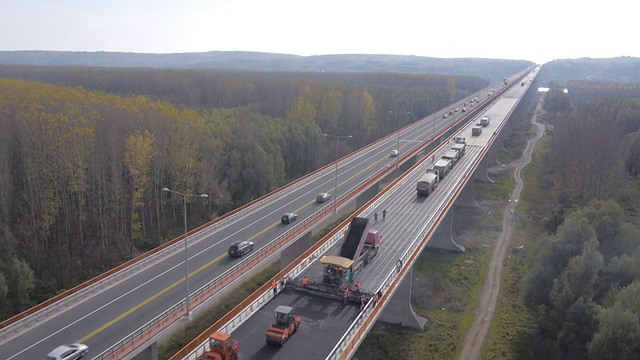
186, 254
335, 183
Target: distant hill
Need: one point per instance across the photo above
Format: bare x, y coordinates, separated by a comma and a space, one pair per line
620, 69
493, 69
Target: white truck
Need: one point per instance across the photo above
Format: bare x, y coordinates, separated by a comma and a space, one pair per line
484, 121
443, 166
452, 156
460, 148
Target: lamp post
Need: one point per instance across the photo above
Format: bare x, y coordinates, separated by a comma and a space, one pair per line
186, 255
335, 186
435, 118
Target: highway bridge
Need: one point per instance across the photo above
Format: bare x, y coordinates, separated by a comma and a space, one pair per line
121, 312
332, 330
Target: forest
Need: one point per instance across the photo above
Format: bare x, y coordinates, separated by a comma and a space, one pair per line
493, 69
85, 153
582, 282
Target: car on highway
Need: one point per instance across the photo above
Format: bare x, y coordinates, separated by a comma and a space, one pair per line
68, 352
444, 116
450, 112
322, 197
288, 218
394, 153
239, 248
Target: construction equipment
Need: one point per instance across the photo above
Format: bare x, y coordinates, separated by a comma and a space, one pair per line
287, 323
221, 347
359, 247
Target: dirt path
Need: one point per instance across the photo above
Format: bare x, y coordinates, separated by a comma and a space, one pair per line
478, 331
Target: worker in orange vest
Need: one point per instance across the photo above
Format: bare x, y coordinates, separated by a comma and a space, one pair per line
358, 286
305, 282
346, 296
375, 298
274, 286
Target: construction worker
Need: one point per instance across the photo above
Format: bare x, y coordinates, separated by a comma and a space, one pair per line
346, 296
358, 286
283, 282
305, 282
363, 302
375, 298
339, 271
375, 217
384, 214
274, 286
398, 265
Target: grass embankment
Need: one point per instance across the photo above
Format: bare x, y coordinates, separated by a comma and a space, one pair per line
203, 319
447, 286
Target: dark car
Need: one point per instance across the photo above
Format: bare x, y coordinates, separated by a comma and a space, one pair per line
322, 197
288, 218
239, 248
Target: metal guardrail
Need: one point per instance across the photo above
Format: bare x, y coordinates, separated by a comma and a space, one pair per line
142, 334
14, 325
237, 270
349, 342
261, 299
267, 295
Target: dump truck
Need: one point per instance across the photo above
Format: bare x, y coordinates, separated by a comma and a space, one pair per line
476, 130
452, 156
427, 184
221, 347
484, 121
287, 323
443, 166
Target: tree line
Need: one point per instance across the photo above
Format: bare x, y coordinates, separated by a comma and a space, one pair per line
82, 170
583, 280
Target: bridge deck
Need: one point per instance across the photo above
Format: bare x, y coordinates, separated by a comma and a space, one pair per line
325, 320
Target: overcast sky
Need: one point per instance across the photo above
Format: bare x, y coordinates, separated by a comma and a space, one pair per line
500, 29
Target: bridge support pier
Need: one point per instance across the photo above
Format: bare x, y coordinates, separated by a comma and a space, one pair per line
150, 353
398, 310
442, 238
482, 171
466, 198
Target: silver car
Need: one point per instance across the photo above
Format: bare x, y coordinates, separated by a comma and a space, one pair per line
68, 352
